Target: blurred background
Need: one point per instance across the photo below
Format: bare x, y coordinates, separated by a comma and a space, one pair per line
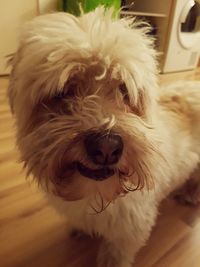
176, 26
31, 232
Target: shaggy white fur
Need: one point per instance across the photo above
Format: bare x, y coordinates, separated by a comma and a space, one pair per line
76, 76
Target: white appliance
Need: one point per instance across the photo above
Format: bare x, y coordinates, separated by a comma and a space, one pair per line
183, 44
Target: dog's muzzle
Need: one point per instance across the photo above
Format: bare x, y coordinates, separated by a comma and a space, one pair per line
96, 174
103, 149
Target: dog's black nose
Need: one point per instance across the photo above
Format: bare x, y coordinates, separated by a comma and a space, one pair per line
104, 149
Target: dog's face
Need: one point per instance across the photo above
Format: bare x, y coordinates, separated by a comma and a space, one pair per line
83, 92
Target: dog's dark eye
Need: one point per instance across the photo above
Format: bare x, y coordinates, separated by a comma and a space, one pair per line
64, 94
124, 91
60, 95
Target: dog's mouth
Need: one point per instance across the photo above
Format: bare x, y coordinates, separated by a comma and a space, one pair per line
95, 174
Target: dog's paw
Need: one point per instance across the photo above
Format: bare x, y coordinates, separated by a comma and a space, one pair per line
111, 262
106, 262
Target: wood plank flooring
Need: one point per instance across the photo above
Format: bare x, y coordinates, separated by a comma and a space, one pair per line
33, 235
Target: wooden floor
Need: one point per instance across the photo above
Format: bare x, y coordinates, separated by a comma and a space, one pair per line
33, 235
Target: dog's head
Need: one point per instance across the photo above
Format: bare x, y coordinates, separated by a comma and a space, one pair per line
83, 92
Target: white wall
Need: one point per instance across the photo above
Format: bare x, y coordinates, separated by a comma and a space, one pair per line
46, 6
13, 14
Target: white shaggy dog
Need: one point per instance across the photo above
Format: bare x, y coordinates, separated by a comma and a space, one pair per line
96, 132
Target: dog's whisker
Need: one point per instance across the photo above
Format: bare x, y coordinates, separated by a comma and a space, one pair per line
102, 206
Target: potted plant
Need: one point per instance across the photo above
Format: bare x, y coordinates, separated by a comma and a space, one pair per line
73, 6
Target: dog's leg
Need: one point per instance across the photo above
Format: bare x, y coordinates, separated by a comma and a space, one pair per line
190, 192
120, 251
110, 255
117, 254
